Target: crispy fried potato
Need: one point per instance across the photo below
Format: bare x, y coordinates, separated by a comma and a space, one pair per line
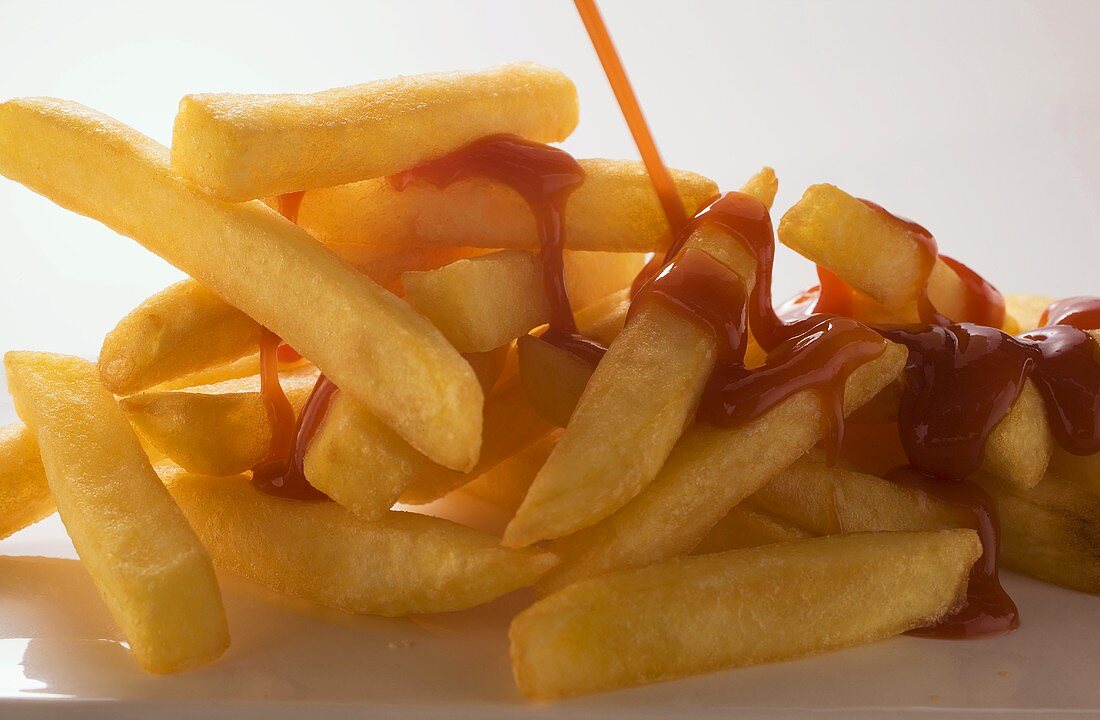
708, 472
747, 526
218, 429
840, 499
181, 330
242, 147
484, 302
144, 558
1084, 470
1050, 532
617, 438
389, 357
489, 365
872, 252
399, 564
616, 209
708, 612
1026, 310
24, 494
553, 378
505, 484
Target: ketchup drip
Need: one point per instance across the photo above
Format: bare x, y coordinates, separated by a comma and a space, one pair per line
1067, 375
1080, 312
545, 177
281, 473
988, 609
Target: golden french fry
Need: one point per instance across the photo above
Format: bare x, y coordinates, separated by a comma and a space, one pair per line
1050, 532
1026, 310
24, 494
874, 253
1083, 470
241, 147
185, 335
239, 369
484, 302
505, 484
553, 378
399, 564
708, 472
746, 526
389, 357
217, 429
617, 438
181, 330
615, 209
745, 607
144, 558
839, 499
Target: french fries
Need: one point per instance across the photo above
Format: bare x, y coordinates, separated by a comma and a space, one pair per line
24, 494
219, 429
145, 560
616, 209
873, 253
181, 330
617, 439
242, 147
400, 564
553, 378
487, 301
505, 484
708, 472
709, 612
388, 357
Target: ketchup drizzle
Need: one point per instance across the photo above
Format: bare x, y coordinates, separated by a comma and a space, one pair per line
545, 177
1081, 312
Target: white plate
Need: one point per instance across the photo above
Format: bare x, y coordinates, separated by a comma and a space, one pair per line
59, 650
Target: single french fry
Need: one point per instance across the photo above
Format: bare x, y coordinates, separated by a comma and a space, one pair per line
181, 330
244, 367
145, 560
399, 564
745, 607
873, 253
388, 356
1026, 310
833, 500
615, 209
24, 494
1050, 531
185, 335
219, 429
505, 484
708, 472
617, 438
1084, 470
746, 526
241, 147
487, 301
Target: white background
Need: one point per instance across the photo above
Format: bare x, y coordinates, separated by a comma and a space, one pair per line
979, 119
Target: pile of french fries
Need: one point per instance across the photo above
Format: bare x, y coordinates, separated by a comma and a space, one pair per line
659, 547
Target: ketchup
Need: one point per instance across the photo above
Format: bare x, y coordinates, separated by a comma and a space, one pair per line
1082, 313
545, 177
